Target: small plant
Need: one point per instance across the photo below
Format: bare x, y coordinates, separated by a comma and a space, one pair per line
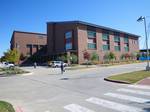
95, 58
86, 57
109, 57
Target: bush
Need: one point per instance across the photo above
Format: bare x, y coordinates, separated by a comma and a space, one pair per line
73, 58
12, 71
109, 57
6, 107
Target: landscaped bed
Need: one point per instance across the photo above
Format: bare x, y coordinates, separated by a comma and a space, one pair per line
6, 107
129, 78
11, 71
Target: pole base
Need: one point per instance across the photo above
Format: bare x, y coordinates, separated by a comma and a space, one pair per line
147, 68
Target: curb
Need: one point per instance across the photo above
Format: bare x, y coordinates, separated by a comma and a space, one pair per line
26, 74
117, 81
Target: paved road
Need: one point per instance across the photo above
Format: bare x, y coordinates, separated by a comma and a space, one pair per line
75, 91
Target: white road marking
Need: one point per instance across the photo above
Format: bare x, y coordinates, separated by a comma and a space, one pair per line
134, 91
126, 97
113, 105
77, 108
139, 86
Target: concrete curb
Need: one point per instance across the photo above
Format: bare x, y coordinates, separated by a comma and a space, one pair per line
26, 74
116, 81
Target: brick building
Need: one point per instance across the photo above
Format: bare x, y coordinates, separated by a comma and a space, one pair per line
77, 37
29, 43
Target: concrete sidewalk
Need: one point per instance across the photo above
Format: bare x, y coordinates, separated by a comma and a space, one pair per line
145, 81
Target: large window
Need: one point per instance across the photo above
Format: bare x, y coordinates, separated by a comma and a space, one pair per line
106, 47
117, 48
91, 45
105, 38
91, 34
91, 39
126, 43
68, 40
126, 48
117, 41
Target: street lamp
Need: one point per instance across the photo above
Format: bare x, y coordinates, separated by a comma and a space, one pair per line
139, 20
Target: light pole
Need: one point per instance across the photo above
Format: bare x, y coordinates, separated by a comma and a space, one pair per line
139, 20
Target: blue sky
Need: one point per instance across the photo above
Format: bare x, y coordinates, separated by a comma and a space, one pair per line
32, 15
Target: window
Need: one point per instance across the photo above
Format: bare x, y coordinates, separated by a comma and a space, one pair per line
126, 49
116, 39
91, 34
91, 45
68, 34
126, 39
105, 36
105, 47
91, 39
68, 40
68, 46
117, 48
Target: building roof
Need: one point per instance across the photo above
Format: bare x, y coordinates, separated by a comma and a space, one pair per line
94, 25
26, 33
29, 32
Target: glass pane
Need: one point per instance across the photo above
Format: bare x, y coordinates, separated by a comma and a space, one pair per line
68, 34
68, 46
105, 47
117, 48
91, 45
105, 36
91, 34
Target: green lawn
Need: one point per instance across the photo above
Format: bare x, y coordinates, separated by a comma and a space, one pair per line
132, 77
6, 107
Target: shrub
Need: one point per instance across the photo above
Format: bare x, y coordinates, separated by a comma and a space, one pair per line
73, 58
6, 107
109, 56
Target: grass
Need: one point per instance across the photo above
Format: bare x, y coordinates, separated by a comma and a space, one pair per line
6, 107
120, 63
11, 71
78, 67
132, 77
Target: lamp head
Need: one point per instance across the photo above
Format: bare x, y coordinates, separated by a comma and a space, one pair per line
140, 19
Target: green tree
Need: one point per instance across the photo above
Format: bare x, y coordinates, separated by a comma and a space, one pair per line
109, 56
73, 58
12, 56
63, 58
94, 58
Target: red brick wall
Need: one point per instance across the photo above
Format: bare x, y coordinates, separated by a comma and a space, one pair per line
22, 39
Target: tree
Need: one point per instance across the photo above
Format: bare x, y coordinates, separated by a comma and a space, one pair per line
63, 58
110, 56
94, 58
12, 56
86, 56
73, 58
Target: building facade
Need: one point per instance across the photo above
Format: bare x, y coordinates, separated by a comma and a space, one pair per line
29, 43
78, 37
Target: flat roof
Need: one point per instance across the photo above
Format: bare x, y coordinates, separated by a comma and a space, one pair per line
94, 25
29, 32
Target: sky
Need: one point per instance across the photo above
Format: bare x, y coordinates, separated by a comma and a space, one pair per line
32, 15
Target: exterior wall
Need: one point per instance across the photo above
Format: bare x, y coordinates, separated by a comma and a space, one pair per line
20, 40
56, 37
56, 45
82, 44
